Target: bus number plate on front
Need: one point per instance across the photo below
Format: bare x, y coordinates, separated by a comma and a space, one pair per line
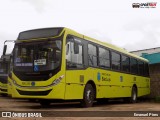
26, 83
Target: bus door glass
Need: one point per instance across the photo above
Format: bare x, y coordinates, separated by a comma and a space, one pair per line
74, 56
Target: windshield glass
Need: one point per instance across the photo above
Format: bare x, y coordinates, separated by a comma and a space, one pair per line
37, 56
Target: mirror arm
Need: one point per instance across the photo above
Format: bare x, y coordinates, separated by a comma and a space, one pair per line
5, 46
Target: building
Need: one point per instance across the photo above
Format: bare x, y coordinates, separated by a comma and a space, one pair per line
153, 55
148, 51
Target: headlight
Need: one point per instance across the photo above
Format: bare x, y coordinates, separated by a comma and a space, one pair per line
58, 80
14, 82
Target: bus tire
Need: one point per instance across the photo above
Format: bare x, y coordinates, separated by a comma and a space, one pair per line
133, 98
88, 96
44, 103
4, 94
32, 100
102, 101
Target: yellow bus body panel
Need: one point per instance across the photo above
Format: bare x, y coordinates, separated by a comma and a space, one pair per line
111, 84
9, 86
3, 88
56, 92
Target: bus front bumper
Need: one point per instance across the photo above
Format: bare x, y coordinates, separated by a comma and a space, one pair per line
40, 92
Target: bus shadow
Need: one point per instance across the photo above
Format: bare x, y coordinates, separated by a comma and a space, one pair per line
35, 105
65, 105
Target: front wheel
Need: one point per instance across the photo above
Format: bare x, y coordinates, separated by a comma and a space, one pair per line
134, 95
44, 103
88, 96
32, 100
4, 94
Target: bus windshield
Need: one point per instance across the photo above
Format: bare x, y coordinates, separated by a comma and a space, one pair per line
37, 56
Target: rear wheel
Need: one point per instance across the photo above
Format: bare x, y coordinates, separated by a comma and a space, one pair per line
133, 98
134, 95
88, 96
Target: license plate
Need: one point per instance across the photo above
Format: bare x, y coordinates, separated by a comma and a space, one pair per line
26, 83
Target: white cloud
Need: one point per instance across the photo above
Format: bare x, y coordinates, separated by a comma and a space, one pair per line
110, 21
149, 31
38, 5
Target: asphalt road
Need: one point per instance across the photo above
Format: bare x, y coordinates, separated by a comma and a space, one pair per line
72, 110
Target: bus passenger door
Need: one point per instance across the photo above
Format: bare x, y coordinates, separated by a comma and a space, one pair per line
74, 69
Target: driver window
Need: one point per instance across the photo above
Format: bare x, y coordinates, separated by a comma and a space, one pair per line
74, 58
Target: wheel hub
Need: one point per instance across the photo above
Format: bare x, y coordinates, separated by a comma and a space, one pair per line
89, 96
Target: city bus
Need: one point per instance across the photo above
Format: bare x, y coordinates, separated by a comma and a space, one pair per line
4, 71
60, 64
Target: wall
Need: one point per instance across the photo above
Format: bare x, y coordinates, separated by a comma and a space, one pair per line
155, 79
149, 51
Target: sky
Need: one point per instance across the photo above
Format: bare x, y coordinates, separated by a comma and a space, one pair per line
112, 21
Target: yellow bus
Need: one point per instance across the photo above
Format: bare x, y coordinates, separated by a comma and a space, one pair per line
61, 64
4, 71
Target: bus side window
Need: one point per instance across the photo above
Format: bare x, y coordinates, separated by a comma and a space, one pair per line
92, 55
116, 61
140, 68
104, 58
134, 66
125, 63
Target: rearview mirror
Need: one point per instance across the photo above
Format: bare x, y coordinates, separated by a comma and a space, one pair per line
76, 48
4, 49
67, 49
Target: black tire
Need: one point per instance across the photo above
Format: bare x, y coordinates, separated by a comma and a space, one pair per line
133, 98
32, 100
44, 103
4, 94
102, 101
88, 96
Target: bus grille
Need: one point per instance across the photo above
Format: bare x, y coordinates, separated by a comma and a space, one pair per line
3, 90
3, 79
34, 93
